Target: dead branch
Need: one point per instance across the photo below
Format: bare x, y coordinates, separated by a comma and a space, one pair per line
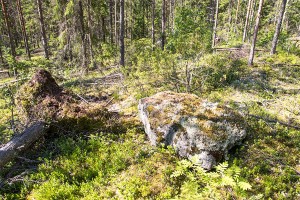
234, 49
83, 99
11, 82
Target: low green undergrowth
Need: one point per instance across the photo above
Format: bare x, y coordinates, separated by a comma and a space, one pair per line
125, 166
107, 166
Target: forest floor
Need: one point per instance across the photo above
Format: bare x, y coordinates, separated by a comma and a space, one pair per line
267, 94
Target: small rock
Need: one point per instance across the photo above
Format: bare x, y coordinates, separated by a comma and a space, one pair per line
193, 126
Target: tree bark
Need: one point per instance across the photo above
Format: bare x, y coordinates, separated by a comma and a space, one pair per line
1, 51
172, 10
251, 56
22, 22
19, 144
247, 20
284, 16
236, 15
229, 18
153, 24
1, 54
211, 14
103, 28
251, 19
81, 21
116, 22
8, 26
90, 34
163, 24
278, 27
122, 33
43, 31
215, 25
111, 21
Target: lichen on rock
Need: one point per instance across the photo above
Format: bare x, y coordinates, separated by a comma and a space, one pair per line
193, 126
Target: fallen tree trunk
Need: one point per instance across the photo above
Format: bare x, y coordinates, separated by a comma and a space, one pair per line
235, 49
17, 145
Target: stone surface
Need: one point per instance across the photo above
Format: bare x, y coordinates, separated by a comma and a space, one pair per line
193, 126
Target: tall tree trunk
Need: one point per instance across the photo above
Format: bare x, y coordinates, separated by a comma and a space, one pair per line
215, 25
1, 52
8, 26
81, 20
229, 18
131, 21
211, 14
69, 53
276, 7
111, 21
43, 31
278, 27
236, 15
247, 20
90, 34
252, 19
173, 13
116, 22
22, 22
103, 28
122, 32
284, 15
1, 56
153, 24
143, 24
163, 24
251, 56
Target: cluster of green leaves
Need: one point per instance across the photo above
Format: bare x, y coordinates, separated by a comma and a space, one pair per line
151, 71
218, 70
196, 183
190, 36
108, 166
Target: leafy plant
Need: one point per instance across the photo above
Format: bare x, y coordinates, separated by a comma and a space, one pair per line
222, 183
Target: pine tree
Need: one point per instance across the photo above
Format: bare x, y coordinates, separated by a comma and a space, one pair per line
251, 56
278, 27
122, 33
43, 30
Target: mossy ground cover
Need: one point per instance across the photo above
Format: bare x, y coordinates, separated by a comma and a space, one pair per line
122, 164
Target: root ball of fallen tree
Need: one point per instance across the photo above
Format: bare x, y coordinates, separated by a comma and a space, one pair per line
42, 99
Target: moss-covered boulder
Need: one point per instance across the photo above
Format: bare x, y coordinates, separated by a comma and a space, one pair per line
193, 126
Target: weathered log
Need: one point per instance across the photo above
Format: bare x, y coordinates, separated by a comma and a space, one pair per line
4, 72
235, 49
19, 144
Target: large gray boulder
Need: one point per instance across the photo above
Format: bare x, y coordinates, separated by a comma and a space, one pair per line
193, 126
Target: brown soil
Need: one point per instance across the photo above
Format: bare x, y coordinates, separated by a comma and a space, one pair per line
42, 99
